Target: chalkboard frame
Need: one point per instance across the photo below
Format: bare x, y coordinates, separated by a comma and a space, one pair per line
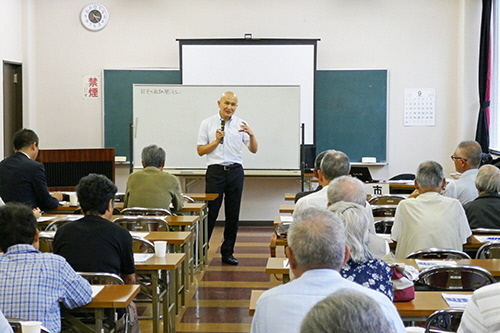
118, 108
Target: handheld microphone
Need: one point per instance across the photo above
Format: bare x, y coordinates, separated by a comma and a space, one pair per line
222, 126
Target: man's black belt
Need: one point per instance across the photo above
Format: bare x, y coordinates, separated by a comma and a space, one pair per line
225, 167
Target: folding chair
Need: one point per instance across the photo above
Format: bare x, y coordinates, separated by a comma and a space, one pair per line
386, 199
455, 278
384, 226
111, 318
143, 223
446, 320
490, 250
384, 211
440, 254
56, 224
141, 211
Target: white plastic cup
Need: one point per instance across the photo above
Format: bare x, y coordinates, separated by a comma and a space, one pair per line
160, 248
73, 200
31, 326
414, 329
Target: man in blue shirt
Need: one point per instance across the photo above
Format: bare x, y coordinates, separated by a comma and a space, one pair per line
32, 283
221, 138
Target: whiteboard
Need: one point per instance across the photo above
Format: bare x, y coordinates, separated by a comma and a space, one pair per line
256, 62
170, 116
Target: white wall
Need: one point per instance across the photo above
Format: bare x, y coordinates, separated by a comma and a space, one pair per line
423, 44
11, 19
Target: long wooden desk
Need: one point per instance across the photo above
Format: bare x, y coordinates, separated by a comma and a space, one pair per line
110, 297
201, 230
203, 196
276, 265
162, 270
424, 304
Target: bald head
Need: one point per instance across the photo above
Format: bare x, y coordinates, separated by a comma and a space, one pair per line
348, 189
227, 103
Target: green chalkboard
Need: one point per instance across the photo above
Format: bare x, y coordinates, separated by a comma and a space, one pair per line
350, 109
118, 103
351, 112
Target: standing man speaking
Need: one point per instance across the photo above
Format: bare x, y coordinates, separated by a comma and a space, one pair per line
221, 138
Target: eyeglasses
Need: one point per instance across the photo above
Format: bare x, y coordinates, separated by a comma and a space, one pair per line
458, 158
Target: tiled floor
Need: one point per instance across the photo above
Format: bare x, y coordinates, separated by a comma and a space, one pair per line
218, 302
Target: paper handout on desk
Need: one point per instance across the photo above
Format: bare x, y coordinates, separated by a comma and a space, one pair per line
45, 218
142, 257
456, 300
484, 239
96, 289
140, 234
422, 264
73, 217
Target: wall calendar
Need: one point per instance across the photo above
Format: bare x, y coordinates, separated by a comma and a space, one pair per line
420, 107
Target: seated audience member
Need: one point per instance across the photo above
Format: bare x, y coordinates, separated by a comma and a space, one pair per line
32, 283
334, 164
484, 211
350, 189
152, 187
482, 312
431, 219
94, 243
317, 164
4, 324
22, 179
362, 268
467, 158
316, 252
346, 311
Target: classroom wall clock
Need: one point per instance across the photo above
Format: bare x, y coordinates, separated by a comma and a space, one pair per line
94, 16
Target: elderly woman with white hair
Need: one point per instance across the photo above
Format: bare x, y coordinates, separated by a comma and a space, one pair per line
484, 211
362, 267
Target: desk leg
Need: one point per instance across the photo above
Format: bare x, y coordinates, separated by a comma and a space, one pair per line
204, 223
99, 318
169, 303
155, 303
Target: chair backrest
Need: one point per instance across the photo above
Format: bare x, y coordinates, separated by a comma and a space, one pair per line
143, 223
384, 211
403, 176
446, 320
489, 250
384, 226
386, 199
454, 278
135, 211
46, 243
187, 198
79, 211
101, 278
435, 253
56, 224
141, 245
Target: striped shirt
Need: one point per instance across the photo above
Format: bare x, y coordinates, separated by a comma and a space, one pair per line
482, 313
32, 283
231, 150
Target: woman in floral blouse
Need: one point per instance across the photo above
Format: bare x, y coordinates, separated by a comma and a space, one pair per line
362, 268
